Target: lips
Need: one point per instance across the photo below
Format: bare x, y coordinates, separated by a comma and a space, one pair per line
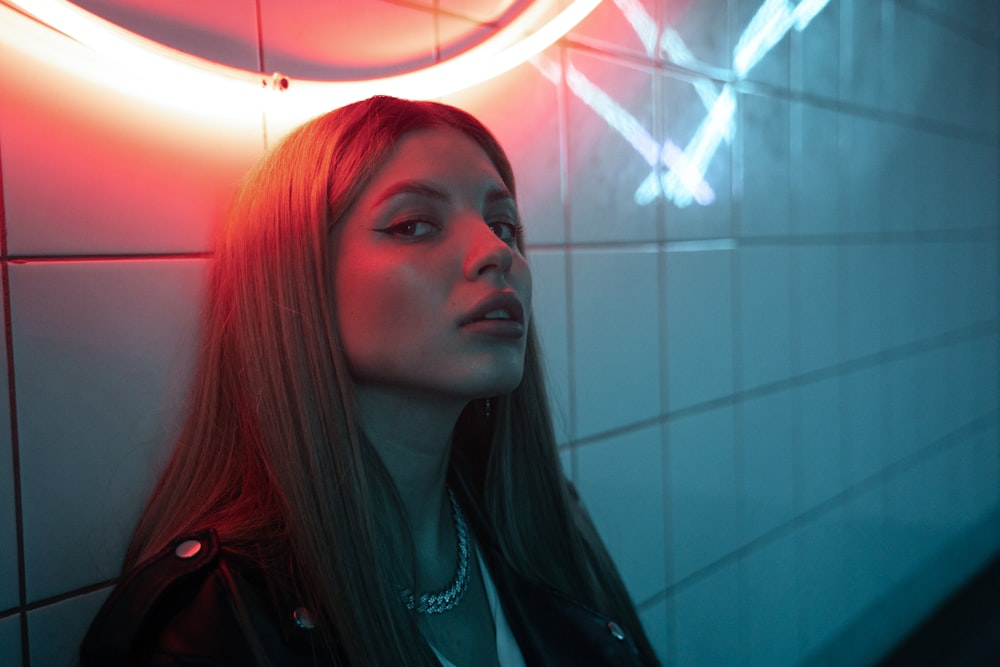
499, 314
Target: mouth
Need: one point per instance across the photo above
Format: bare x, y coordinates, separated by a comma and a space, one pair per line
499, 314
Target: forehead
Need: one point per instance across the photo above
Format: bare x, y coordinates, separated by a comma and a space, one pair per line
437, 154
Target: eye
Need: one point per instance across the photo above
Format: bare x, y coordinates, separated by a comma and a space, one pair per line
507, 231
410, 229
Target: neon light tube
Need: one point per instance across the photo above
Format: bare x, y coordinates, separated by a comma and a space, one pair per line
176, 79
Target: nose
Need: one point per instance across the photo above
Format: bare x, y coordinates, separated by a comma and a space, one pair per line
486, 252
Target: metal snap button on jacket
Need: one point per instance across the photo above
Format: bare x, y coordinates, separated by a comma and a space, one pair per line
303, 619
616, 631
188, 549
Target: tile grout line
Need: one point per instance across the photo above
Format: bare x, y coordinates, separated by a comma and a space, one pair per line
15, 454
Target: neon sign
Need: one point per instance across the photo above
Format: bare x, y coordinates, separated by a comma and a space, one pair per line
683, 180
142, 67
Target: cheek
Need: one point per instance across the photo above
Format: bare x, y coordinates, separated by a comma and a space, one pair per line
521, 281
377, 303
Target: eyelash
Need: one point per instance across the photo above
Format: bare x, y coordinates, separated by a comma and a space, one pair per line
396, 229
516, 228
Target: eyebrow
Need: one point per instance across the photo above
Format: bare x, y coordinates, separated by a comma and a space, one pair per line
422, 189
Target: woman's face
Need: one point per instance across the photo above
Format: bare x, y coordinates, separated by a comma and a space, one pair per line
432, 293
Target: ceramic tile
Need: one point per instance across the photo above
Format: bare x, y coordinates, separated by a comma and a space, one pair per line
766, 188
861, 424
765, 315
8, 518
10, 640
979, 16
818, 53
968, 171
621, 482
549, 308
817, 409
964, 468
610, 114
862, 168
708, 622
476, 10
103, 351
932, 293
622, 27
112, 173
455, 35
55, 631
616, 353
654, 622
703, 493
902, 212
704, 30
985, 267
866, 561
822, 580
941, 74
903, 433
223, 31
860, 333
699, 327
916, 515
768, 605
937, 395
985, 477
900, 293
766, 464
705, 211
815, 177
861, 52
815, 307
983, 358
773, 66
345, 39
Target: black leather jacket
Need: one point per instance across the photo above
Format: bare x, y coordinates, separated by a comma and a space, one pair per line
178, 608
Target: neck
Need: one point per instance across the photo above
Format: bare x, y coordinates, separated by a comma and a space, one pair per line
412, 435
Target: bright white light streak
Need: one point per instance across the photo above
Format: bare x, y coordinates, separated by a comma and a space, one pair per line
771, 22
674, 48
702, 148
690, 182
640, 20
614, 115
152, 71
807, 11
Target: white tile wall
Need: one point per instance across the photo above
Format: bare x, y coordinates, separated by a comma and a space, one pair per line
765, 340
699, 305
56, 630
702, 490
768, 604
705, 618
109, 174
622, 481
615, 338
781, 408
766, 464
102, 351
10, 640
9, 597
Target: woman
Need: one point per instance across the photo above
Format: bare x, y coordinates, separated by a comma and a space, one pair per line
367, 473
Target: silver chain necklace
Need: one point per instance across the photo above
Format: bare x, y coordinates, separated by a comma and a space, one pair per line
442, 601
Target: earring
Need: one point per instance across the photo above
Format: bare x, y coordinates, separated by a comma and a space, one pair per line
489, 407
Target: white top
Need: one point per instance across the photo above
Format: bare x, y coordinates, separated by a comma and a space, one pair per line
508, 652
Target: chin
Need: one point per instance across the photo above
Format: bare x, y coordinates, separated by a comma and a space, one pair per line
499, 384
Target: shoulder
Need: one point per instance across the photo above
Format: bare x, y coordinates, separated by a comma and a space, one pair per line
189, 604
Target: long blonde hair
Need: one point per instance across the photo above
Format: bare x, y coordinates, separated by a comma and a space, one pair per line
271, 452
